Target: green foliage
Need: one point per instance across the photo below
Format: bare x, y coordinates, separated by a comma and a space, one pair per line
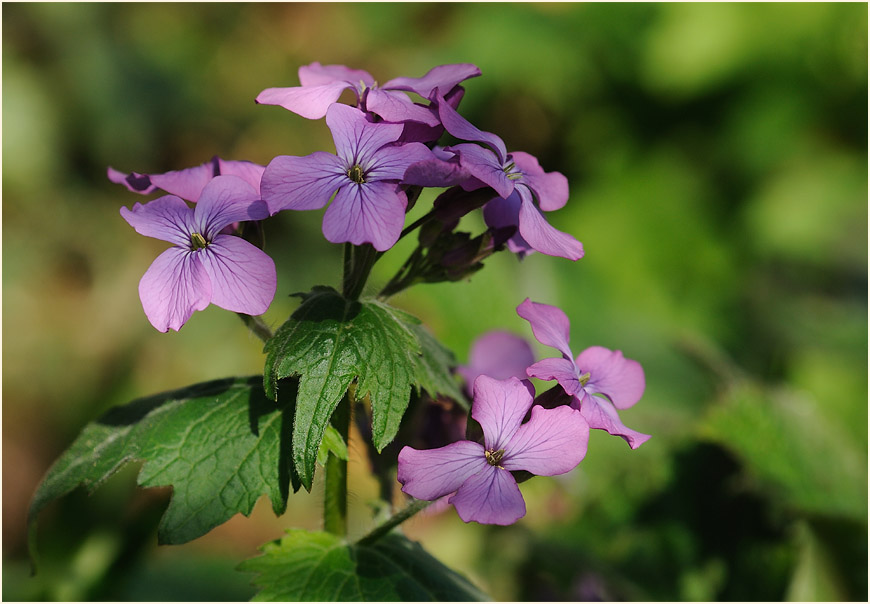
318, 567
330, 343
220, 445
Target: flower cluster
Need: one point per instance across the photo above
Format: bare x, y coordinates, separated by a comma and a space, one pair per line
385, 153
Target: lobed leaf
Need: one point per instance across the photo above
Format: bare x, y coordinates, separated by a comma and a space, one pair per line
220, 445
330, 343
321, 567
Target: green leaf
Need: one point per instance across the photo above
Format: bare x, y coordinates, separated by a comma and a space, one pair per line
220, 445
332, 443
331, 342
322, 567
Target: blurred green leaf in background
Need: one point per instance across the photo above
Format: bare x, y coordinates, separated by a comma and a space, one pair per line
717, 157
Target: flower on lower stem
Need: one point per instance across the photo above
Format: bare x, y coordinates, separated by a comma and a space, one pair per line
204, 266
365, 175
599, 380
552, 442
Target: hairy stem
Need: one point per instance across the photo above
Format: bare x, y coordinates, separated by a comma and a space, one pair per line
414, 506
358, 263
335, 484
257, 326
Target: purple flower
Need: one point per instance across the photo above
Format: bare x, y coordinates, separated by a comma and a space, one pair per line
499, 355
599, 380
203, 266
323, 84
518, 180
369, 205
189, 183
552, 442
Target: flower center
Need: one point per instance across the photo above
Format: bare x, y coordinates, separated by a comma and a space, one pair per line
356, 174
494, 457
584, 379
197, 241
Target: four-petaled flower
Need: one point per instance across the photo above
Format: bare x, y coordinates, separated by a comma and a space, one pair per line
203, 266
518, 180
552, 442
323, 84
369, 206
596, 371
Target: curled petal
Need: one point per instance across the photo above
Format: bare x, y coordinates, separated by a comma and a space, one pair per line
442, 78
225, 200
484, 165
499, 407
562, 370
621, 379
551, 188
600, 414
491, 496
302, 183
356, 138
135, 182
398, 107
373, 213
552, 442
310, 102
315, 74
166, 218
498, 354
549, 324
242, 276
462, 129
175, 285
434, 473
540, 235
188, 183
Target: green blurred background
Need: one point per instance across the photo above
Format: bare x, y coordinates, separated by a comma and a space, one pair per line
717, 155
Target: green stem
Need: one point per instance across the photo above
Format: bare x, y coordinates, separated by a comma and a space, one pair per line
414, 506
417, 223
358, 263
335, 483
405, 276
257, 325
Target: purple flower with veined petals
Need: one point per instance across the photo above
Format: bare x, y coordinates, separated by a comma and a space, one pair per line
499, 355
518, 179
552, 442
323, 84
188, 183
204, 266
596, 371
369, 205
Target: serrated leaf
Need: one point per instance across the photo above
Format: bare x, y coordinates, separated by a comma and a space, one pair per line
221, 445
330, 342
322, 567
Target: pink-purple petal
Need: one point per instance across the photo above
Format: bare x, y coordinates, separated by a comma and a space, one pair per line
302, 183
484, 165
499, 355
621, 379
540, 235
551, 188
600, 414
248, 171
315, 74
552, 442
225, 200
166, 218
242, 276
491, 496
499, 407
310, 102
462, 129
373, 212
174, 286
135, 182
435, 173
398, 107
549, 324
188, 183
392, 161
560, 369
356, 138
442, 78
435, 473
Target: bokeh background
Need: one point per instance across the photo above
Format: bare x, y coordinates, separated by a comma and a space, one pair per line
717, 155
